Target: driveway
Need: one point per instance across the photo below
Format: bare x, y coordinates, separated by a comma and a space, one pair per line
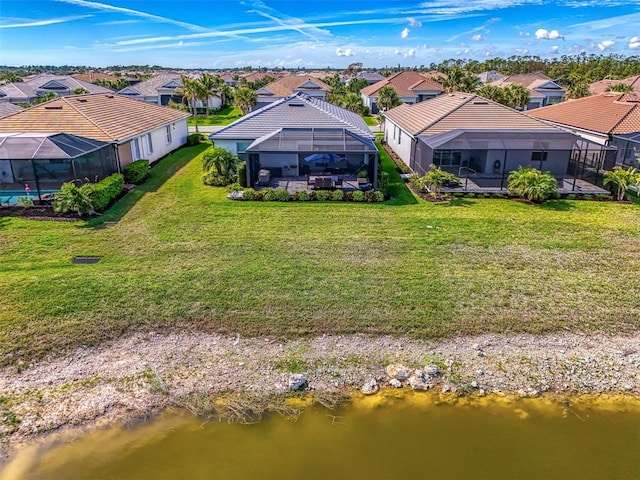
206, 128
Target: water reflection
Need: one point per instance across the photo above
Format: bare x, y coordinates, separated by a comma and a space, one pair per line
380, 437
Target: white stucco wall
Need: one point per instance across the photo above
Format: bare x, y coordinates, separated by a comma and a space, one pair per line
399, 140
159, 145
230, 145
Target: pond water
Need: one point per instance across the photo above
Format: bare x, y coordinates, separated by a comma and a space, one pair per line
382, 437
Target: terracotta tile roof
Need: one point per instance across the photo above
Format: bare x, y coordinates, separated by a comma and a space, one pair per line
290, 84
256, 76
525, 79
596, 88
607, 113
93, 76
404, 83
110, 118
459, 111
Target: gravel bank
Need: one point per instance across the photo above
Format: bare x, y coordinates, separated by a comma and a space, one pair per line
146, 372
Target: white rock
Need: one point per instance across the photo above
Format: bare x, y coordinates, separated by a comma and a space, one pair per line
395, 383
370, 387
297, 382
397, 371
419, 383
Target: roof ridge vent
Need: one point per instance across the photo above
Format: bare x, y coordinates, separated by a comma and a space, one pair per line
53, 107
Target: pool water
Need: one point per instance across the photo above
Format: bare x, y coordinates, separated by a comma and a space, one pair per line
10, 197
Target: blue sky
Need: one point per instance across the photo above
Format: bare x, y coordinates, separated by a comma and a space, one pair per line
313, 34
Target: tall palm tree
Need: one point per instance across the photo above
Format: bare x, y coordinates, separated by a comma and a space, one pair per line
244, 98
190, 91
620, 87
517, 96
352, 101
492, 92
209, 87
387, 98
578, 89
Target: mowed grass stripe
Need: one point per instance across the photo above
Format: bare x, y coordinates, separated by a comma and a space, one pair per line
178, 254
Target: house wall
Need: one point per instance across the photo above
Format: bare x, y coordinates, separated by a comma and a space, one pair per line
124, 154
230, 145
399, 141
557, 161
159, 146
321, 94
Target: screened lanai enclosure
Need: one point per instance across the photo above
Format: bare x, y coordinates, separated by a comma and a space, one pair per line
303, 154
36, 165
483, 160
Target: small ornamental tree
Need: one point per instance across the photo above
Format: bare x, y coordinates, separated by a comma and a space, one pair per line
219, 167
72, 198
436, 178
621, 179
532, 184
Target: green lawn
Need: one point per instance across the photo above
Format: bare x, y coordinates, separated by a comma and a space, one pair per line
224, 117
179, 255
372, 122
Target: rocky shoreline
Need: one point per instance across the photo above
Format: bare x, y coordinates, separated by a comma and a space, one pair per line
147, 372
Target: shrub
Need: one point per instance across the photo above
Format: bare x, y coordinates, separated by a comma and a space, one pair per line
105, 191
25, 201
234, 187
532, 184
72, 198
378, 196
269, 194
470, 195
301, 196
259, 196
586, 196
348, 197
357, 196
249, 194
136, 172
499, 195
571, 196
383, 184
621, 179
282, 195
323, 195
417, 183
436, 178
603, 197
242, 174
337, 196
458, 194
194, 139
214, 179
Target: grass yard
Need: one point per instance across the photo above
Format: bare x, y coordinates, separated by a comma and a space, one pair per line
225, 116
179, 255
372, 122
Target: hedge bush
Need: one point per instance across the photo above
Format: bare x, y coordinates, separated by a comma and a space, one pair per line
242, 174
105, 191
194, 139
214, 179
383, 184
136, 172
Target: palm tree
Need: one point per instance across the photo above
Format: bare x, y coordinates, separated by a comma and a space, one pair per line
352, 101
387, 98
453, 82
190, 91
517, 96
221, 159
244, 98
578, 89
621, 179
532, 184
209, 87
620, 87
45, 97
469, 83
492, 92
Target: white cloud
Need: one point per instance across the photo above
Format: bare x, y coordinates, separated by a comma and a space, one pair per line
410, 53
634, 43
605, 44
42, 23
543, 34
396, 52
414, 23
347, 52
404, 33
524, 34
477, 38
554, 49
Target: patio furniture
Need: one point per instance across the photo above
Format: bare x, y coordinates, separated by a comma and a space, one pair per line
338, 182
363, 184
264, 176
323, 183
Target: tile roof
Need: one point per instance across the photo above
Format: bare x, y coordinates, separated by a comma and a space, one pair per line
459, 111
93, 76
149, 87
39, 81
7, 109
256, 76
18, 91
608, 113
525, 79
290, 84
110, 118
299, 110
404, 83
596, 88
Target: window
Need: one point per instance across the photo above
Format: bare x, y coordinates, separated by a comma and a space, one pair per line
241, 147
150, 142
399, 137
167, 131
135, 149
394, 131
447, 158
538, 156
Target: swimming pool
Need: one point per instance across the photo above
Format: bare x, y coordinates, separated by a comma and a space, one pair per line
11, 197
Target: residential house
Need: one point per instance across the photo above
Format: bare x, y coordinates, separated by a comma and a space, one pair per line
596, 88
34, 165
410, 86
611, 119
161, 88
370, 77
543, 90
298, 136
31, 88
480, 140
490, 76
290, 85
138, 129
